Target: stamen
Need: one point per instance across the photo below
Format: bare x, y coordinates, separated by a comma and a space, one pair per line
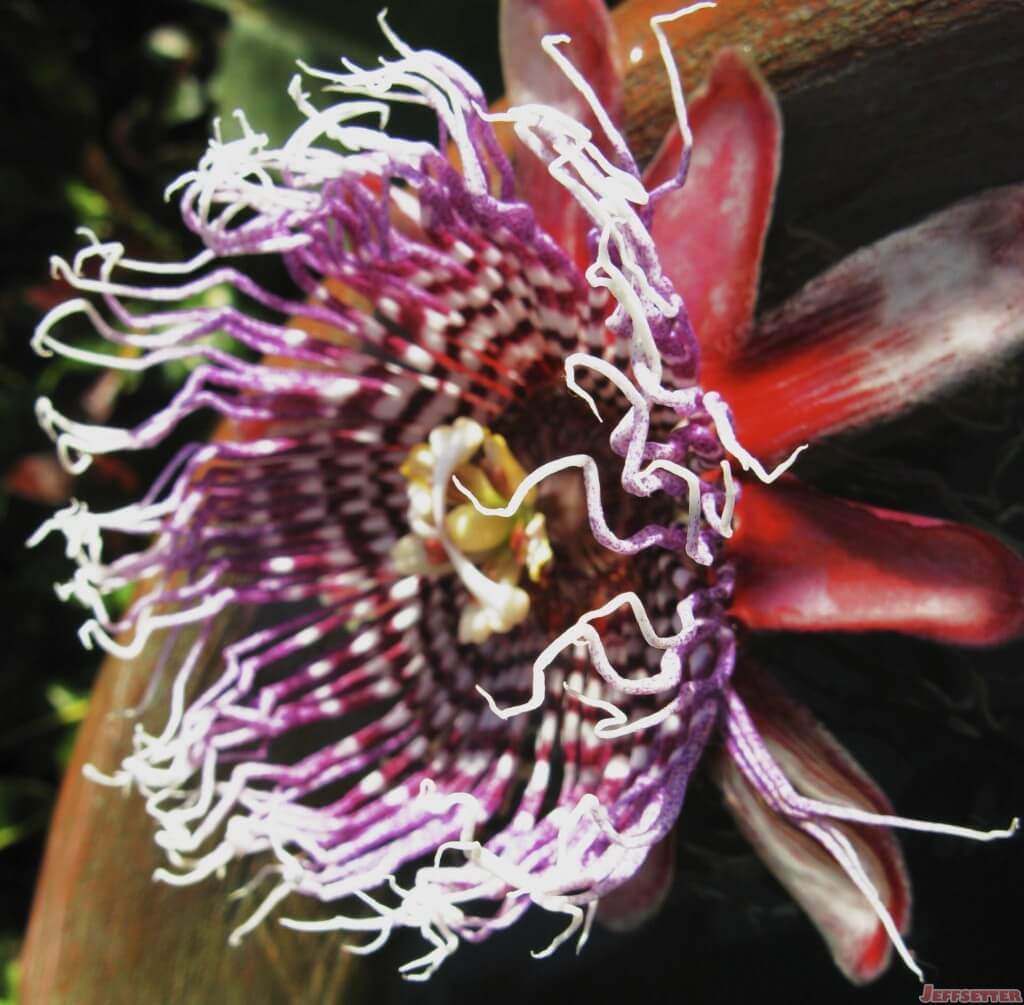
498, 605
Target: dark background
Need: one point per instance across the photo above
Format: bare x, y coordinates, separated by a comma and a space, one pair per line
104, 104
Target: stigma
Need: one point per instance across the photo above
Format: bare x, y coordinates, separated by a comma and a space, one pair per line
491, 555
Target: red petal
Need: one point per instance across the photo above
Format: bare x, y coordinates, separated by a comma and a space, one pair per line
641, 897
818, 767
885, 328
809, 562
710, 233
532, 76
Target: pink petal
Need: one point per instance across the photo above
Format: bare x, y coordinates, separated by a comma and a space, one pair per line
818, 767
710, 233
532, 76
809, 562
641, 897
885, 328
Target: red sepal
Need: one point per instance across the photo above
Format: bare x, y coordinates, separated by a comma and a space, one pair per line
886, 328
819, 767
710, 233
808, 562
638, 899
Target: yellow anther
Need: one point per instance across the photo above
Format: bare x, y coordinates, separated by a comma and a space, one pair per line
538, 555
460, 537
478, 623
457, 442
502, 567
473, 477
473, 532
505, 471
419, 465
411, 558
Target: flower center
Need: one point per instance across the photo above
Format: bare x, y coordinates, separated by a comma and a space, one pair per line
490, 554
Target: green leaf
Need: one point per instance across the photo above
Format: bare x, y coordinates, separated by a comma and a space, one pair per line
9, 972
259, 59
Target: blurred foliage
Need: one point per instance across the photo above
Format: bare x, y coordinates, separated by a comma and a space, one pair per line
106, 110
8, 973
259, 53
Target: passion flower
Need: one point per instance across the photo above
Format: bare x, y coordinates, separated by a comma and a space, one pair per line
478, 477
